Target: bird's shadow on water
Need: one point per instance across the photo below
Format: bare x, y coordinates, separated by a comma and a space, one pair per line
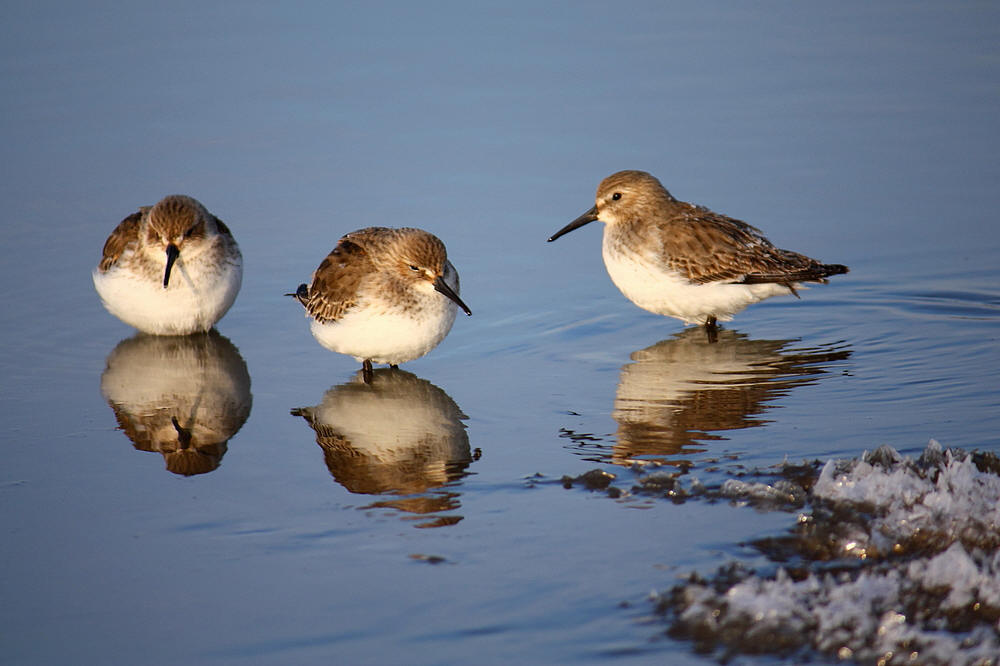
676, 397
398, 437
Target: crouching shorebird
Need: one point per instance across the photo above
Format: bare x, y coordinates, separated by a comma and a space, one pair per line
170, 269
685, 261
383, 295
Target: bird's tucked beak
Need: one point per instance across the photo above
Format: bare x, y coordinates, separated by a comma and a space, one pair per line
440, 285
183, 434
586, 218
172, 254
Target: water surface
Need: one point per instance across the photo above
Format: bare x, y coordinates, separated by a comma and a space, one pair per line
218, 499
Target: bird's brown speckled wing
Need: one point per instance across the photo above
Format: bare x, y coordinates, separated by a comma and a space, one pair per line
331, 439
335, 283
708, 247
125, 234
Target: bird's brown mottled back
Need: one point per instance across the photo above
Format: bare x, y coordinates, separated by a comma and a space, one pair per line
376, 255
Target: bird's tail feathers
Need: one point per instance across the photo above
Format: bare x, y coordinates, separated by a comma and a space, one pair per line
816, 273
301, 294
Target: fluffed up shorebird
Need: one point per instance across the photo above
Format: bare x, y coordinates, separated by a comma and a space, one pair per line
383, 295
685, 261
170, 269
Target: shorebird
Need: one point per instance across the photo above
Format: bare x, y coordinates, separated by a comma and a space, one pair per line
685, 261
170, 269
383, 295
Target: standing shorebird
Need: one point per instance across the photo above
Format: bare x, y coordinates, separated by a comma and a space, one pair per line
383, 295
681, 260
170, 269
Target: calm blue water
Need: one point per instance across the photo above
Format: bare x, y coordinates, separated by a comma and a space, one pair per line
864, 135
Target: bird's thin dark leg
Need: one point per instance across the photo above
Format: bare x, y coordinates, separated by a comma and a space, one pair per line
711, 330
366, 371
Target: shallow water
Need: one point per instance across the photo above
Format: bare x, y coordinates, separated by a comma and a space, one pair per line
859, 135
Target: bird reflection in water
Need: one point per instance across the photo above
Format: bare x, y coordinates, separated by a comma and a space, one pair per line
399, 435
182, 396
684, 391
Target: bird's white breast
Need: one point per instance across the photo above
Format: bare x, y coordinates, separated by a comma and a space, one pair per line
376, 330
199, 294
645, 279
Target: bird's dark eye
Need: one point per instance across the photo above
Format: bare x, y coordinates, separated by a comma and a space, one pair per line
616, 196
414, 268
196, 228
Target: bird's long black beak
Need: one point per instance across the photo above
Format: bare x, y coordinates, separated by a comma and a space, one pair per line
440, 285
172, 254
586, 218
183, 434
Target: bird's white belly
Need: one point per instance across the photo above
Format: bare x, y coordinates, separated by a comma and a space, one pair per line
194, 301
653, 287
393, 336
